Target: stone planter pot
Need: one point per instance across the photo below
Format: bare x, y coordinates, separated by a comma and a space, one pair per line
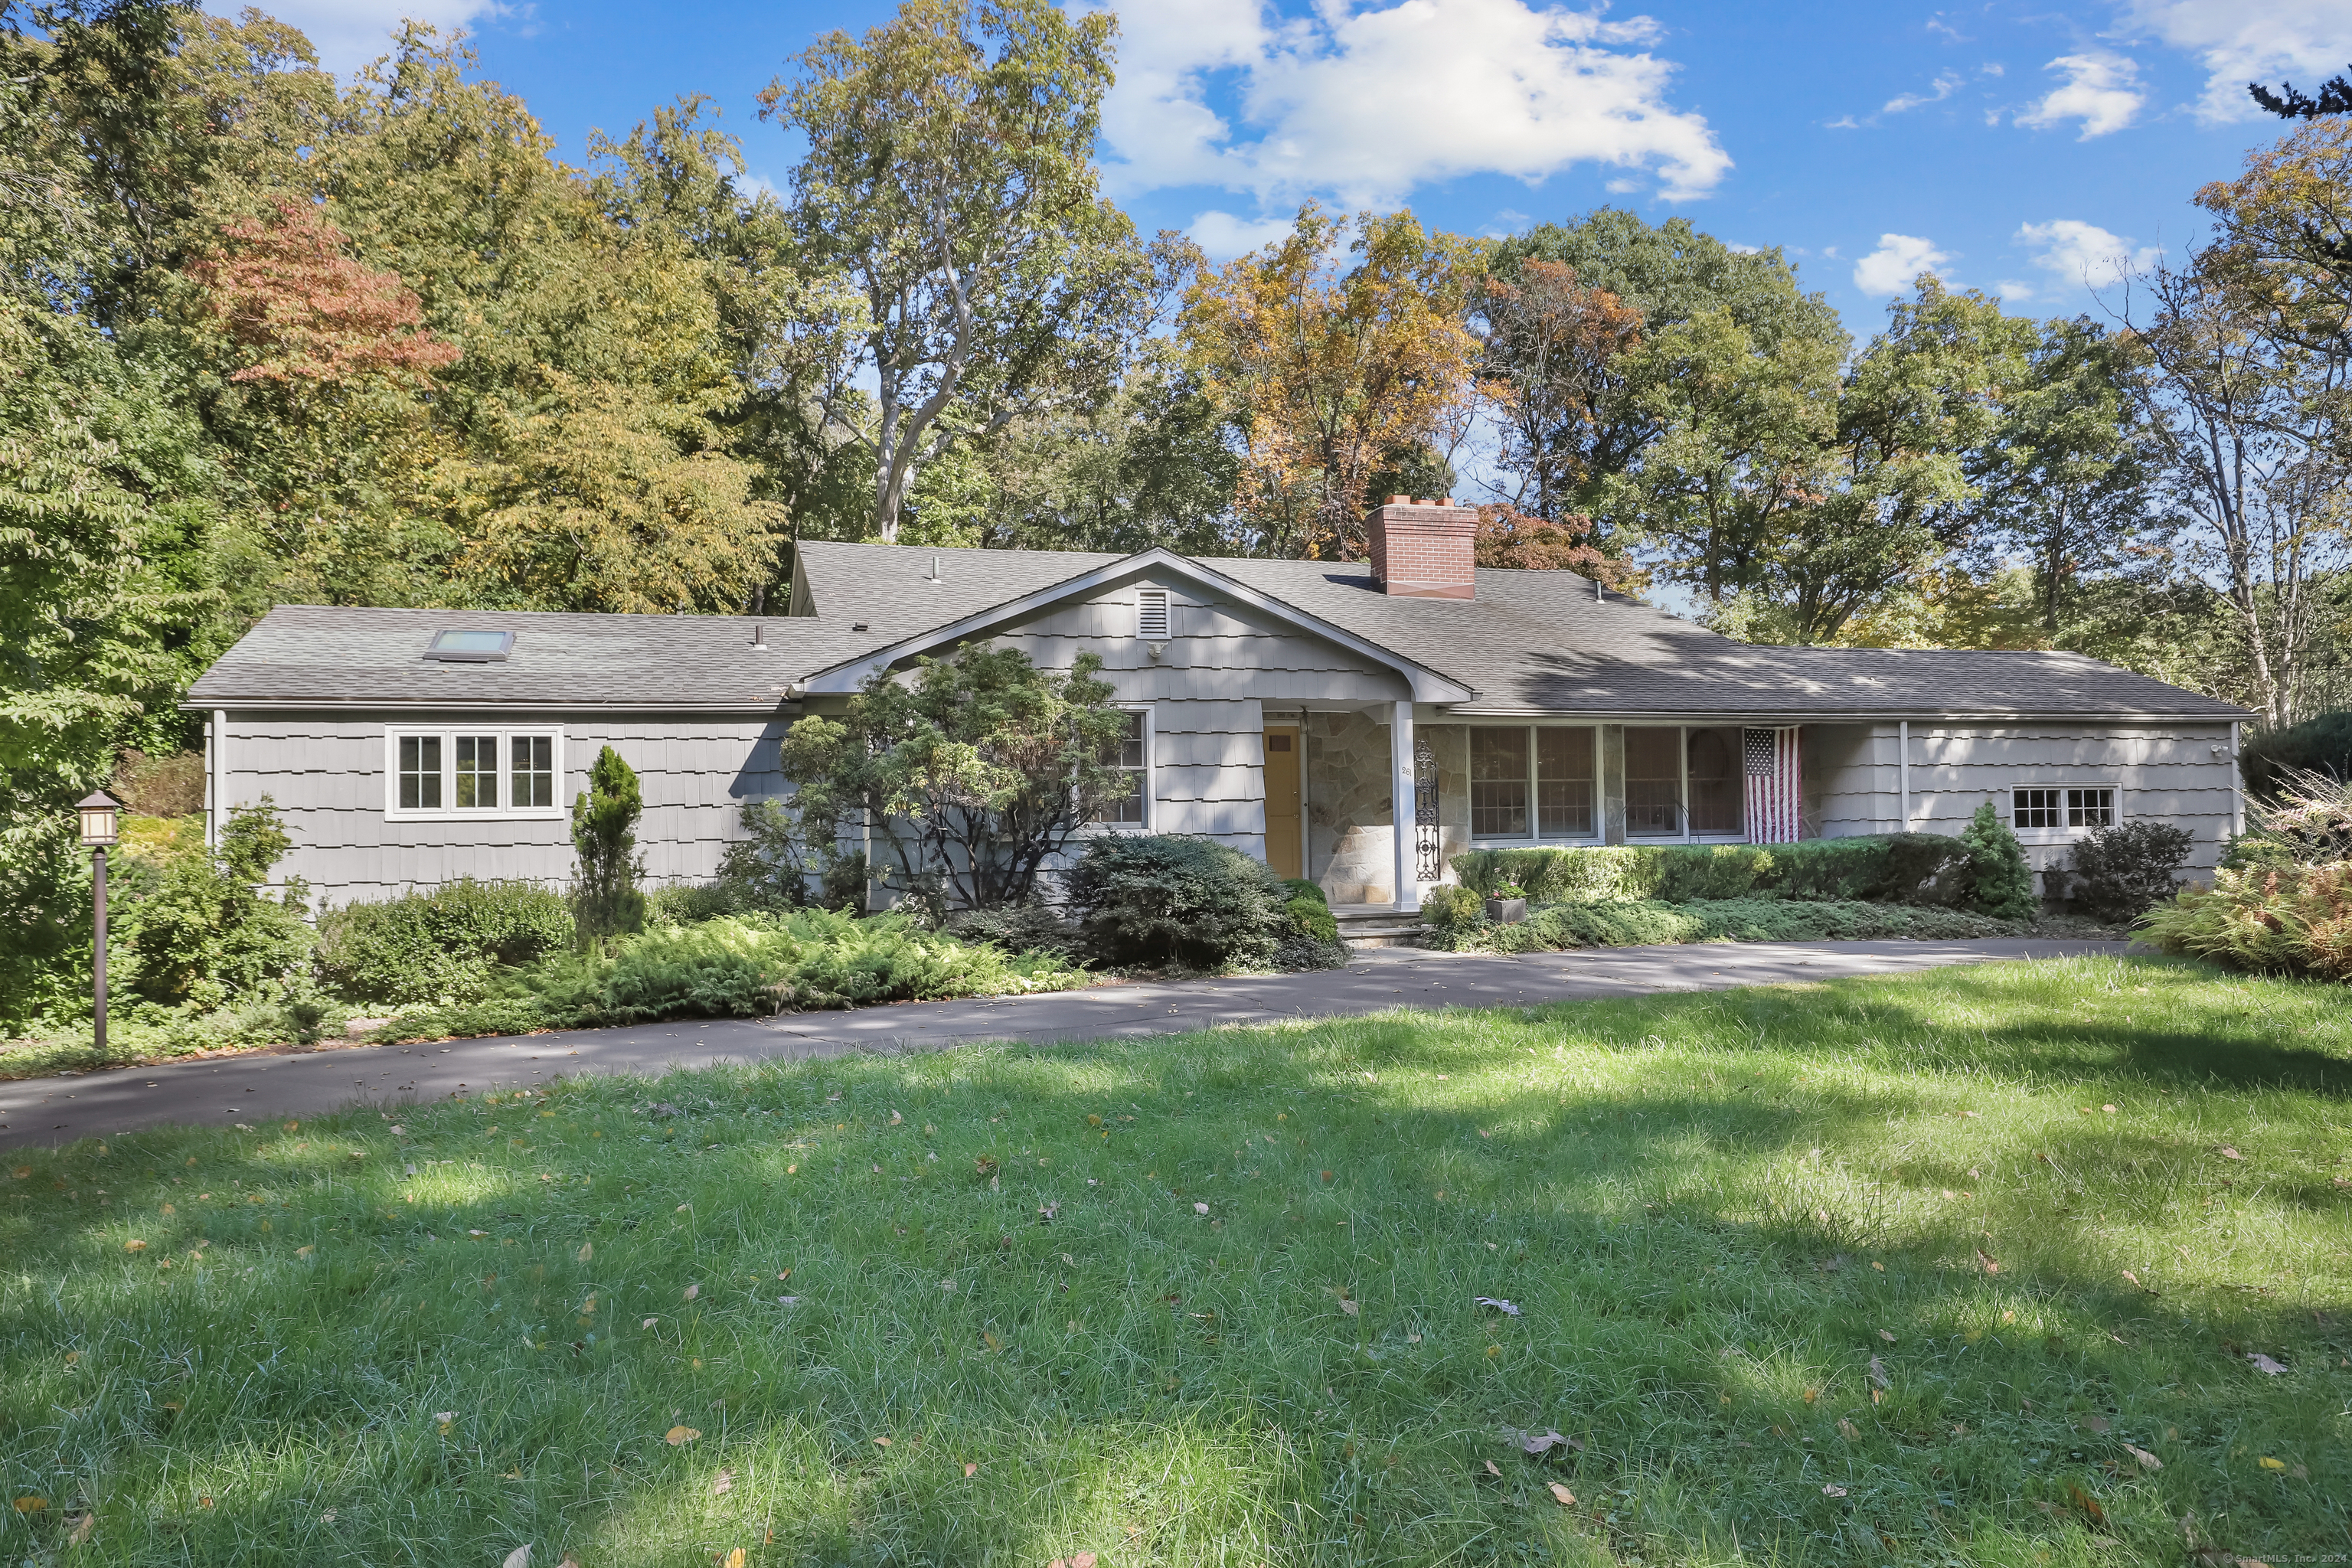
1507, 912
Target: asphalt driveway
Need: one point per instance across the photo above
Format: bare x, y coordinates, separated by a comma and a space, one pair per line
222, 1091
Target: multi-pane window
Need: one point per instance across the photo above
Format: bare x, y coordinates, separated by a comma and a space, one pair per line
2035, 807
1717, 781
1523, 776
1563, 782
1654, 782
1132, 757
531, 780
2069, 807
478, 772
2090, 808
420, 772
454, 773
1498, 783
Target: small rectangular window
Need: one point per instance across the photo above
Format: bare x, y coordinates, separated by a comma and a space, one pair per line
1564, 782
420, 772
2034, 808
2090, 808
532, 779
1133, 808
1498, 783
1152, 615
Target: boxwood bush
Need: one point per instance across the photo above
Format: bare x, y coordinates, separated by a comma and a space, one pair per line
1878, 867
446, 945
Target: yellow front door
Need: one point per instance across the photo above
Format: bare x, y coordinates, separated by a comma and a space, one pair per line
1284, 832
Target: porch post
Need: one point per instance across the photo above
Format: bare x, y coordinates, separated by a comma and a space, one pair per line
1401, 808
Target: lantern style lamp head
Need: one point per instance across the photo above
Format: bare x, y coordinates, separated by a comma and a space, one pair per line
98, 820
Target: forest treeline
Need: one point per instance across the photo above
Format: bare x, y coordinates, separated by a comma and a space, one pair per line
267, 337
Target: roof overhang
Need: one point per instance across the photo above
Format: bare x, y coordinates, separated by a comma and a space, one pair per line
1426, 684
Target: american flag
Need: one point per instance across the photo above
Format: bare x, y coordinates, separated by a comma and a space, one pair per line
1775, 785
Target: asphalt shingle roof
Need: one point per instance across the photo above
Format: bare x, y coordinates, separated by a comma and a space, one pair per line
1529, 641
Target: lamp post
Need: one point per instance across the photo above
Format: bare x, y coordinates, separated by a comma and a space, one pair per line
97, 831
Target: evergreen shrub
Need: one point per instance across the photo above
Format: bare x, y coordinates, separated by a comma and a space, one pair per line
2119, 873
1159, 899
448, 944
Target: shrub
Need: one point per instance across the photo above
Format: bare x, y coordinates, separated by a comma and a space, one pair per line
1309, 911
2283, 899
2270, 760
1629, 922
604, 898
746, 966
197, 929
2126, 869
1451, 908
1020, 928
1995, 878
1881, 867
1163, 897
444, 945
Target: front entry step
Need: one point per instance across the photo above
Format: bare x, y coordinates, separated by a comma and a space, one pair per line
1377, 925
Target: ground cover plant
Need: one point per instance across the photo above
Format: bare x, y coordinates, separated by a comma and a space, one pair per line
2029, 1264
1459, 925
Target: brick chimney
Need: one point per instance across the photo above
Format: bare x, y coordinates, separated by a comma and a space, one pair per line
1422, 549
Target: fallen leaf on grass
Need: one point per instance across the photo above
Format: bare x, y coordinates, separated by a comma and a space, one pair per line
787, 1301
2147, 1461
1989, 1266
31, 1504
1507, 1309
2270, 1464
881, 1442
735, 1558
2229, 1153
1848, 1430
1200, 1208
134, 1247
1878, 1373
970, 1471
78, 1526
1833, 1490
1562, 1495
1348, 1307
2263, 1363
1492, 1470
518, 1558
724, 1484
678, 1435
1887, 1337
2087, 1503
587, 1250
1075, 1560
649, 1322
1541, 1442
692, 1292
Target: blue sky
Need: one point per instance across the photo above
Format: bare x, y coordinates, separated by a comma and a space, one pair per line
2019, 147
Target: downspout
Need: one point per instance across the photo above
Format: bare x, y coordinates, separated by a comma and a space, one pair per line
2237, 785
1903, 767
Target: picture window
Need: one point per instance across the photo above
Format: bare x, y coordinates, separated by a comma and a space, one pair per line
474, 772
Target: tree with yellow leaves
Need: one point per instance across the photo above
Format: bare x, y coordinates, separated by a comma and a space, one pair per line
1329, 372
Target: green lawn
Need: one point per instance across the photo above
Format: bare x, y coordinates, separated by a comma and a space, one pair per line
1822, 1274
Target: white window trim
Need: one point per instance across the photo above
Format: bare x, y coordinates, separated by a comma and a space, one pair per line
1150, 777
1532, 838
2006, 803
447, 735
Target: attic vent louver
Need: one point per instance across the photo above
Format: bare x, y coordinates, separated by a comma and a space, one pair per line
470, 648
1152, 615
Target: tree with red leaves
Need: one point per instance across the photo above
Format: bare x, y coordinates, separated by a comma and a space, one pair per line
1508, 537
306, 312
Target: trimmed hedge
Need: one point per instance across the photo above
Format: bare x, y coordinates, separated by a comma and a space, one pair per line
1645, 922
448, 945
1880, 867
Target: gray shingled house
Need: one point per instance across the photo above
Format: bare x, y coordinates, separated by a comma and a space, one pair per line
1297, 709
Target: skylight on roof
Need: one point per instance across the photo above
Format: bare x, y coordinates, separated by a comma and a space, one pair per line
470, 648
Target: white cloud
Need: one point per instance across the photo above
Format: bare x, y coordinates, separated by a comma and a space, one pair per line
2084, 253
1225, 236
1946, 84
1366, 103
2238, 41
349, 33
2010, 288
1898, 260
2101, 91
1843, 122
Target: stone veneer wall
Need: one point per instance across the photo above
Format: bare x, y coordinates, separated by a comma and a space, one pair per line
1349, 841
